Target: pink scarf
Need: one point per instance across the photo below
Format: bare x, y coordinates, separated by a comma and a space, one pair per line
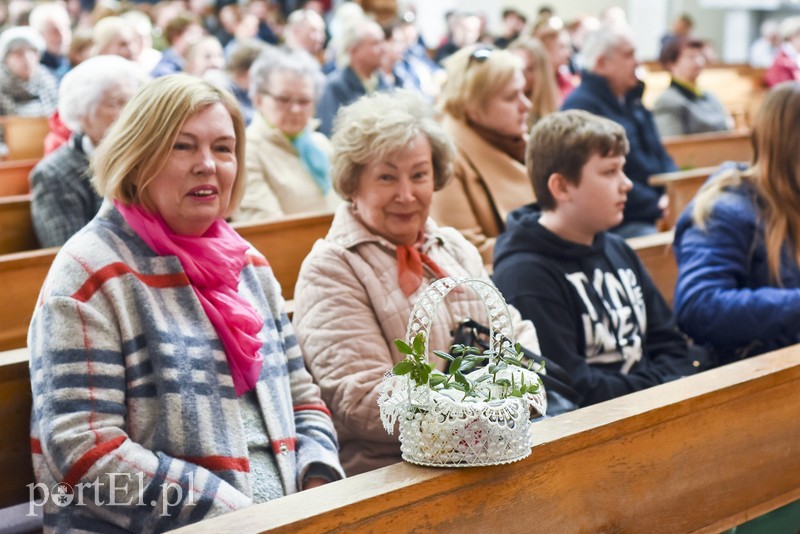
409, 266
212, 263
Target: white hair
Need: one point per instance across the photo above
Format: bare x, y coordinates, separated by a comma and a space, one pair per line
17, 36
351, 35
50, 11
297, 62
789, 27
83, 87
600, 42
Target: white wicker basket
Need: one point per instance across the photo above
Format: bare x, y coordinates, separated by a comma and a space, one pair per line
439, 429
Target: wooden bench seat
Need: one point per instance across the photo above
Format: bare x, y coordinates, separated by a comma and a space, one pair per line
656, 253
14, 176
709, 149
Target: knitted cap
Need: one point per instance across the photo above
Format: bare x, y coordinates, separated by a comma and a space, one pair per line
20, 36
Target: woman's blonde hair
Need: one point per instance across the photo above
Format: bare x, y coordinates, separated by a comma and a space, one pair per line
138, 144
544, 94
774, 174
475, 74
378, 125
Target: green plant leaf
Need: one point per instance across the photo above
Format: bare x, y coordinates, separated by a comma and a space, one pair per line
458, 386
403, 368
483, 378
403, 347
461, 379
455, 365
437, 379
503, 382
443, 355
424, 373
419, 343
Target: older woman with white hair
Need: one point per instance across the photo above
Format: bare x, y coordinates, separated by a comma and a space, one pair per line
287, 161
25, 88
114, 36
91, 97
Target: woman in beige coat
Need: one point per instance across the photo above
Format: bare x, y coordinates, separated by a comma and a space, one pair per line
288, 163
358, 285
485, 113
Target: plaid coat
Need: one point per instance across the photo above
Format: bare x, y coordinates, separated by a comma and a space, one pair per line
132, 390
63, 199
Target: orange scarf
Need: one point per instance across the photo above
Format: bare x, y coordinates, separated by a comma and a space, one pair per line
409, 267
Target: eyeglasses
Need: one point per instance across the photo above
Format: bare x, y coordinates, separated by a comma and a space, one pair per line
287, 102
479, 55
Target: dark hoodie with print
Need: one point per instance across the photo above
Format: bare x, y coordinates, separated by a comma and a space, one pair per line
596, 310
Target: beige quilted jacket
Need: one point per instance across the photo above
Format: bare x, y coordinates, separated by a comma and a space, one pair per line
348, 311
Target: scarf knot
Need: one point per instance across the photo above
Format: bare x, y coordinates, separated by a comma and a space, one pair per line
212, 263
410, 260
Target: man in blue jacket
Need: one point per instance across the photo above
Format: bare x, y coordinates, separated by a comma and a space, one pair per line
609, 88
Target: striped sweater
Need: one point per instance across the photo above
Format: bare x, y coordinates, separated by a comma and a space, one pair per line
132, 390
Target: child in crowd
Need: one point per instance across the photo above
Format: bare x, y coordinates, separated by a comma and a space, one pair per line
597, 311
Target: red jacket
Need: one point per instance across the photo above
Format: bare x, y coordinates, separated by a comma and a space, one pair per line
783, 69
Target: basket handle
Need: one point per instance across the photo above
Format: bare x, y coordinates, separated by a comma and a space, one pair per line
493, 302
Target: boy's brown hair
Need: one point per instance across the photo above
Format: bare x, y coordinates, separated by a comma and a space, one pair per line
563, 142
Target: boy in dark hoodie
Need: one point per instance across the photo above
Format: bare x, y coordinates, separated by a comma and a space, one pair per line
596, 310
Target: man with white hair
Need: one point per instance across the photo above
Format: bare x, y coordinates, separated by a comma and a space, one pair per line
609, 88
362, 43
305, 30
52, 21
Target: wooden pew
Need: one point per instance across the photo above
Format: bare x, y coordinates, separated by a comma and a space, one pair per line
24, 136
14, 176
21, 277
681, 187
701, 454
286, 243
656, 253
16, 228
15, 420
704, 150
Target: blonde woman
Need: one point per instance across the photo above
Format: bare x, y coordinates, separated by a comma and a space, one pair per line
486, 114
738, 243
160, 349
540, 82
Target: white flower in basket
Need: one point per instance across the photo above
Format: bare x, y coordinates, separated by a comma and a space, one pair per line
470, 416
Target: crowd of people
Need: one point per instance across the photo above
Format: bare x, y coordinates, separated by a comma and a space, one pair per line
161, 343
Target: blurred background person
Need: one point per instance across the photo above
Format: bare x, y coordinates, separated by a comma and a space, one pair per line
52, 21
143, 50
213, 344
115, 36
357, 287
466, 31
361, 47
513, 24
90, 99
684, 108
787, 62
203, 56
288, 162
486, 114
181, 32
26, 87
557, 44
766, 47
681, 28
236, 76
305, 30
540, 82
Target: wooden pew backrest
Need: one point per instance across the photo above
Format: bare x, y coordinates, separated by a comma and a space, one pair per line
681, 188
21, 277
701, 454
24, 136
656, 253
705, 150
16, 228
15, 421
14, 176
286, 243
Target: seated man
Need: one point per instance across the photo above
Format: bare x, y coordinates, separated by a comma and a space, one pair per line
684, 108
596, 310
362, 44
610, 88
